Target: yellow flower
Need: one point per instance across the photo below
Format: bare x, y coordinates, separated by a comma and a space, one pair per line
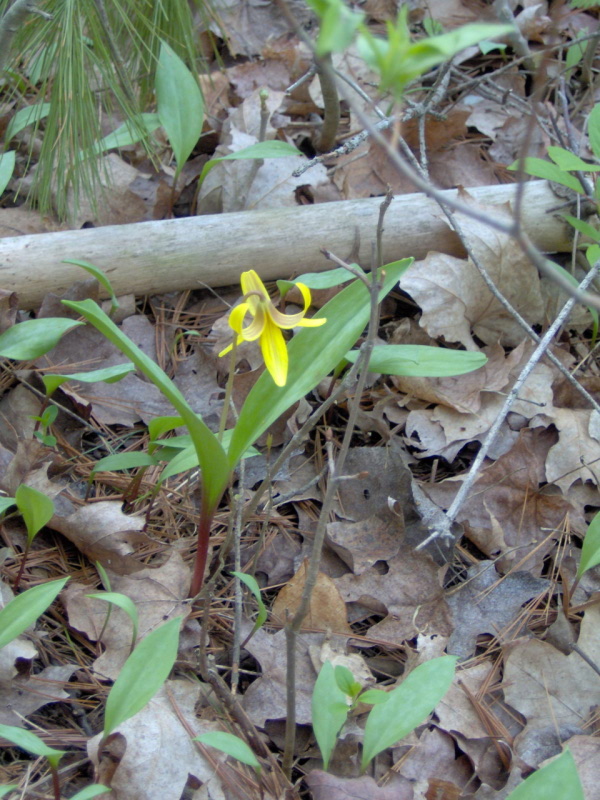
267, 323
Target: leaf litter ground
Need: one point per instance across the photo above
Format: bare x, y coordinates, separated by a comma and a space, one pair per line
379, 605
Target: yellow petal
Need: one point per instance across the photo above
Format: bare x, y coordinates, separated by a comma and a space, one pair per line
253, 331
285, 321
312, 323
236, 317
274, 352
250, 282
305, 292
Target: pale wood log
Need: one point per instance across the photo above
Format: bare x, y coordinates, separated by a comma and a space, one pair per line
167, 255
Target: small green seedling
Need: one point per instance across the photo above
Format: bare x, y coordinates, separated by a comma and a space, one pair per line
28, 741
394, 715
45, 420
250, 582
37, 510
230, 744
126, 604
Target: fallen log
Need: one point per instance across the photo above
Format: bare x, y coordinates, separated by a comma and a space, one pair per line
168, 255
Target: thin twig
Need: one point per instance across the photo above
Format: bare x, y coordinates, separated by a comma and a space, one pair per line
473, 473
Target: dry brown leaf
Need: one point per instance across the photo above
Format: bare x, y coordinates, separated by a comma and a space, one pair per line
539, 682
265, 698
20, 649
433, 761
251, 24
325, 786
159, 754
127, 195
487, 603
102, 532
576, 455
455, 300
408, 590
361, 544
22, 221
27, 694
506, 512
235, 184
326, 610
159, 594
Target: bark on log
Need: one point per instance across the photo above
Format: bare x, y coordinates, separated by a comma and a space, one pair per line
167, 255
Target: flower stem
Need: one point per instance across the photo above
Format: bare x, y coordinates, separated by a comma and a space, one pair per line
206, 516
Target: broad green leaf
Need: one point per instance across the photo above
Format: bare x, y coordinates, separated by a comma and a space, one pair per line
97, 273
6, 502
211, 456
558, 780
338, 24
420, 360
23, 610
550, 172
398, 61
126, 604
91, 791
487, 47
35, 508
4, 790
179, 104
28, 741
230, 744
268, 149
158, 426
574, 54
121, 461
24, 117
142, 675
569, 161
319, 280
126, 134
313, 354
594, 130
251, 583
34, 337
407, 706
583, 227
106, 375
7, 167
187, 458
329, 711
590, 550
593, 254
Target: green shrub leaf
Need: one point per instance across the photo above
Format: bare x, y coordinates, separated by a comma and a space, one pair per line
329, 711
558, 780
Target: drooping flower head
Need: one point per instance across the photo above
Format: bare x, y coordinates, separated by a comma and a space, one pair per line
267, 324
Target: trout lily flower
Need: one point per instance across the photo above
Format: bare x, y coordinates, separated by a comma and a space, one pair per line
267, 324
